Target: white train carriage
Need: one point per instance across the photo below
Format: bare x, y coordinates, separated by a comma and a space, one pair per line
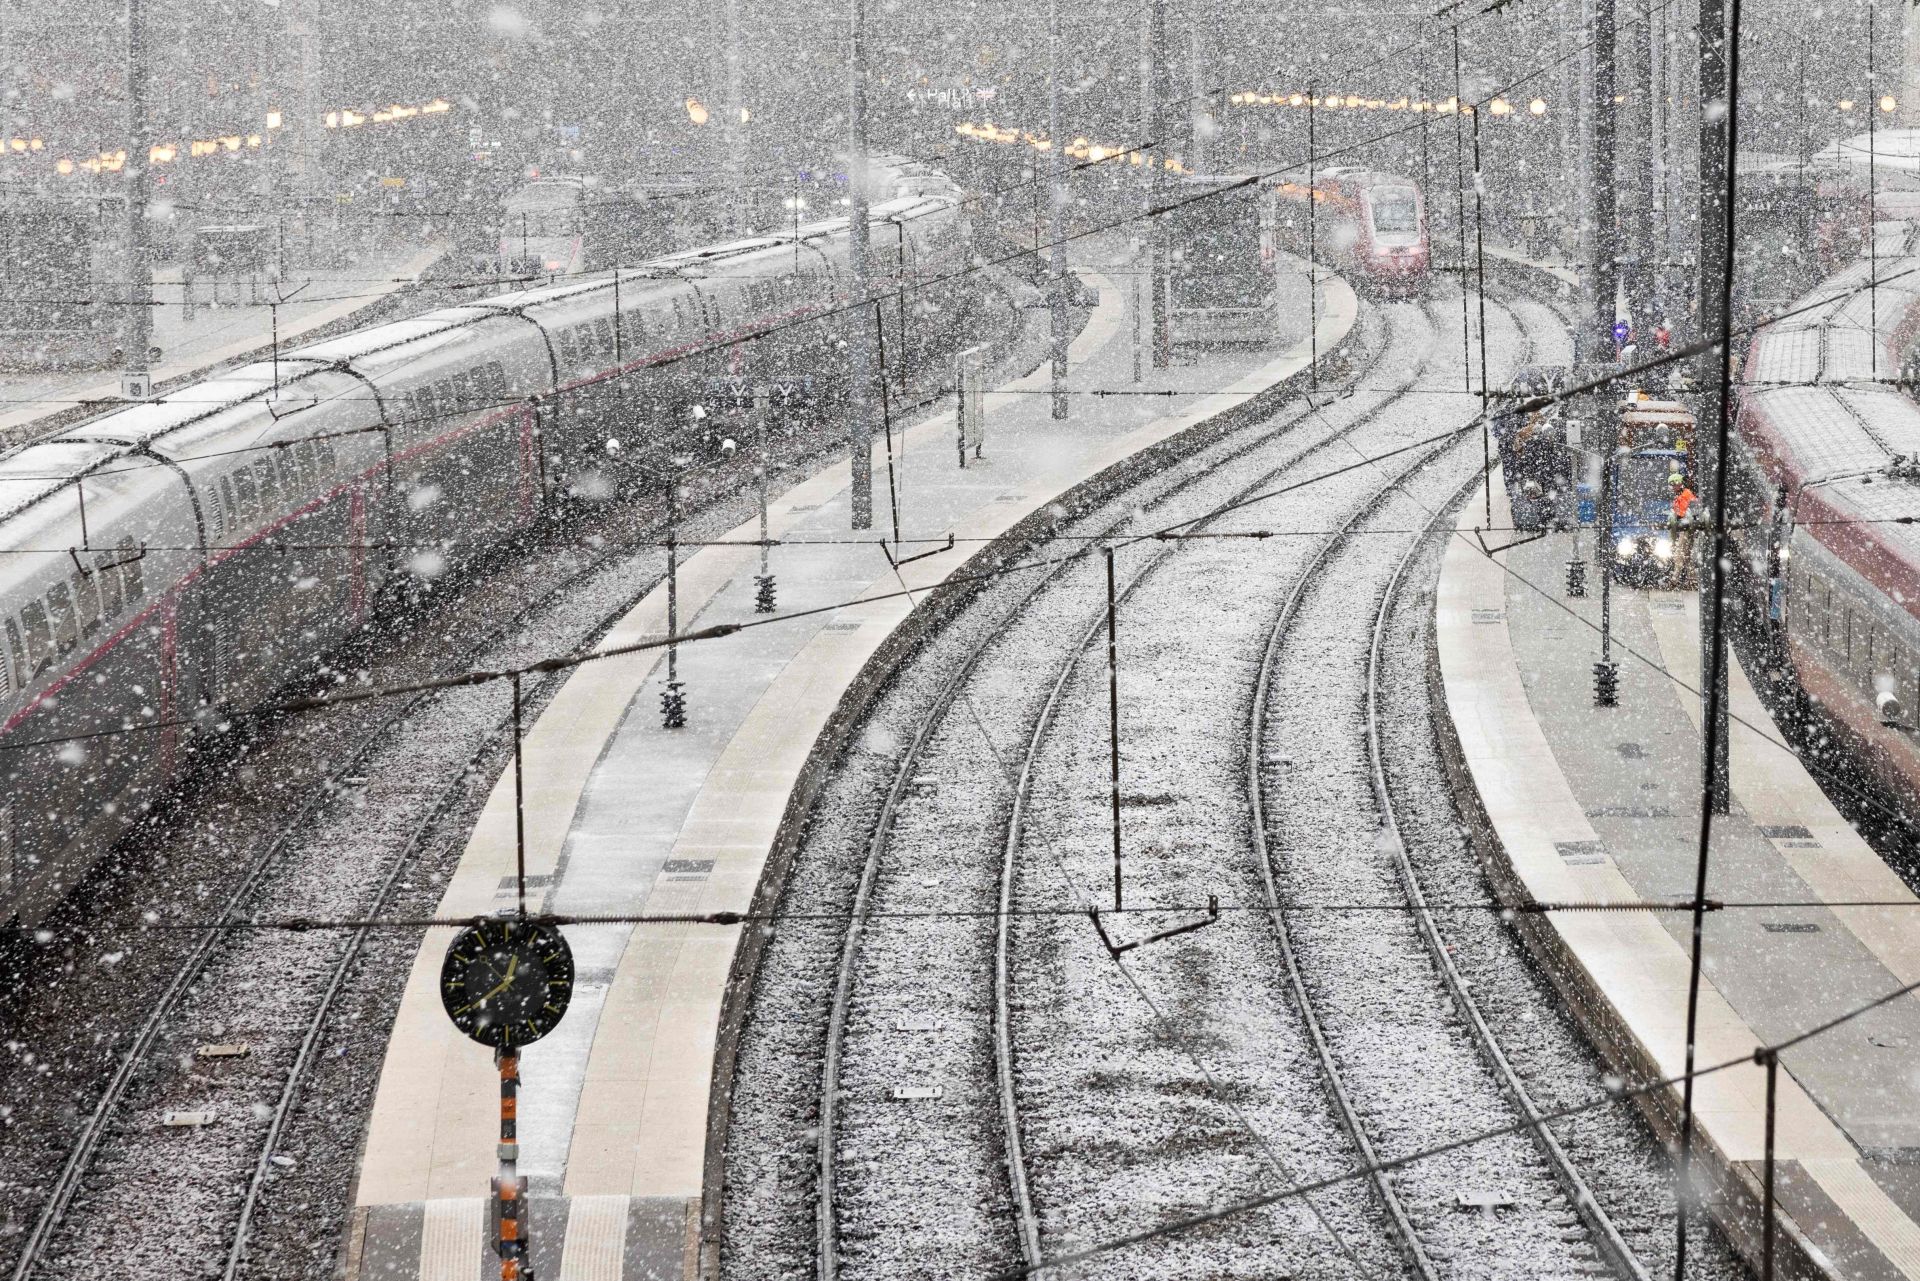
173, 564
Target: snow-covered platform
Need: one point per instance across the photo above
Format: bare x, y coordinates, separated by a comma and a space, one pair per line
1577, 803
228, 322
626, 817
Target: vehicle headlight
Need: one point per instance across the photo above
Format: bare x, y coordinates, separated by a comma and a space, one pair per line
1663, 548
1624, 547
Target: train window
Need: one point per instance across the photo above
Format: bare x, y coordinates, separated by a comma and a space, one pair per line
33, 620
86, 600
246, 508
133, 574
269, 481
18, 653
604, 328
107, 579
229, 507
6, 847
293, 466
323, 455
66, 625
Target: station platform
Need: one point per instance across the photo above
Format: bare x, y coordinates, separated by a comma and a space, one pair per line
226, 323
624, 816
1579, 803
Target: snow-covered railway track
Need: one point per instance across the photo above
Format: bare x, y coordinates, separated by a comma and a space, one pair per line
877, 943
900, 955
1327, 833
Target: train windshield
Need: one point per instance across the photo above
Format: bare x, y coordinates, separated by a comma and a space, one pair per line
1395, 210
1216, 247
1642, 491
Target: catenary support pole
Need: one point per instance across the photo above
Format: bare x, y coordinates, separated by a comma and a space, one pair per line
1772, 1060
859, 342
1604, 269
1056, 213
136, 382
1153, 81
1719, 144
1717, 177
1460, 215
1873, 196
1313, 246
1113, 722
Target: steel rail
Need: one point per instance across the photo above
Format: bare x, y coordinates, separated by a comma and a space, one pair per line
1027, 1222
1256, 435
1016, 823
1606, 1235
1356, 1129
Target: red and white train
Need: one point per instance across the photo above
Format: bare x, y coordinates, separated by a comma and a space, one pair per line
1826, 496
1372, 224
168, 565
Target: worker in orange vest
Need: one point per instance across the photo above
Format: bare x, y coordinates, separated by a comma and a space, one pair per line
1682, 527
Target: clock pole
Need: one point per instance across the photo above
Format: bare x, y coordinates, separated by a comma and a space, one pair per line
509, 1189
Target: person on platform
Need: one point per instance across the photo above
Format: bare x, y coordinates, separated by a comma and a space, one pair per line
1681, 522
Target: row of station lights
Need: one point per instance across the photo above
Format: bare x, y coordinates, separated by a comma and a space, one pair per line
1078, 149
167, 152
1498, 107
1353, 102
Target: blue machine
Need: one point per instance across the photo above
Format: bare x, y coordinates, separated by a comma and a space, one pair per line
1643, 530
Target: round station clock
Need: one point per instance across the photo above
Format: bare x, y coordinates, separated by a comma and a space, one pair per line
506, 982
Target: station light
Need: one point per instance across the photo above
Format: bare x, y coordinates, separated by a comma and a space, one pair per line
1538, 106
274, 120
697, 111
1846, 104
1501, 107
1887, 103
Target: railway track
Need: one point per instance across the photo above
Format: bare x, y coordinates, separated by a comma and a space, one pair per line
879, 1026
906, 780
1224, 1059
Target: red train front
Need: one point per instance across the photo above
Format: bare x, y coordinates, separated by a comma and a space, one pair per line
1373, 224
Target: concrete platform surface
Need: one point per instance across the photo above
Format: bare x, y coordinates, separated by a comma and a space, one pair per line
624, 816
1591, 803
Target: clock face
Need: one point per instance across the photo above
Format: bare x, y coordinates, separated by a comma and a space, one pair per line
506, 982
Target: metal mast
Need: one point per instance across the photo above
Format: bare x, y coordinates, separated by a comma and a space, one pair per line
859, 335
1056, 212
136, 380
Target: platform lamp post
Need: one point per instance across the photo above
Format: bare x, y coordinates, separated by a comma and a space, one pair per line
673, 699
